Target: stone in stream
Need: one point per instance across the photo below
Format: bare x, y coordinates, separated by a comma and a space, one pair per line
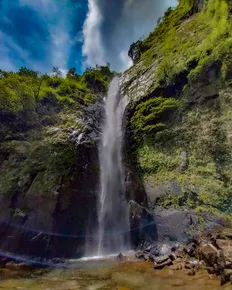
226, 247
228, 264
211, 270
121, 257
226, 276
210, 251
151, 258
209, 254
58, 261
173, 256
165, 263
141, 256
188, 266
191, 272
161, 259
190, 249
178, 265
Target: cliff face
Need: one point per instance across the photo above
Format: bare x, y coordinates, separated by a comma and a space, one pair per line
49, 171
179, 113
178, 139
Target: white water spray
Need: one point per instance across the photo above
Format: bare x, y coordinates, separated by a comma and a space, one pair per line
113, 235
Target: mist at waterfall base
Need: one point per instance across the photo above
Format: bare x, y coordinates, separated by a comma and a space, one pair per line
113, 215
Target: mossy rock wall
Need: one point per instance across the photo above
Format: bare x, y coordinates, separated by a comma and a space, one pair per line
181, 146
48, 194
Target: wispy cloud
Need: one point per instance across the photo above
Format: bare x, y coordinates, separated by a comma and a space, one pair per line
41, 34
38, 33
6, 61
111, 26
92, 47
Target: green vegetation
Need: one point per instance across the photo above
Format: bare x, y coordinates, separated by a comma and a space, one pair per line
97, 79
195, 45
37, 115
150, 116
27, 89
181, 41
28, 98
90, 99
204, 134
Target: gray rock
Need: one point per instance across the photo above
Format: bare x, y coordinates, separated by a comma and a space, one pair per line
209, 253
93, 135
154, 191
24, 180
140, 256
174, 225
226, 276
74, 134
151, 258
80, 137
161, 260
173, 256
80, 121
165, 263
121, 257
190, 249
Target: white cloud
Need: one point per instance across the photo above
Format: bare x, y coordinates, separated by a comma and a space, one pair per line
125, 60
11, 52
56, 16
92, 47
43, 6
7, 44
111, 27
61, 44
6, 62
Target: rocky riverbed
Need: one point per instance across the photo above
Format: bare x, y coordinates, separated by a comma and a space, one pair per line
109, 275
203, 262
206, 251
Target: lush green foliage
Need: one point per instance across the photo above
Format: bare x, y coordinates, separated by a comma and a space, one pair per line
37, 115
151, 116
26, 90
204, 133
177, 43
16, 93
90, 99
46, 160
97, 79
188, 43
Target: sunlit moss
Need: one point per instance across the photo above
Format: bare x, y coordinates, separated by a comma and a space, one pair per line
203, 37
150, 116
203, 134
90, 99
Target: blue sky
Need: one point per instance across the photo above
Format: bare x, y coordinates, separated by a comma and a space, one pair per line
41, 34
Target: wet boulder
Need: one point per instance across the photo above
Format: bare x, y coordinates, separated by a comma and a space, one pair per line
209, 253
164, 263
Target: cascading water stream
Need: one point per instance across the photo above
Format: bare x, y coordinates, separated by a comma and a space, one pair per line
112, 209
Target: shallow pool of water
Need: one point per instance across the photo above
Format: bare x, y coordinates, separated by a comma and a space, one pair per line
108, 275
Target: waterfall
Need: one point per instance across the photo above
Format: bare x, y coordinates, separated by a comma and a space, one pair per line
113, 232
